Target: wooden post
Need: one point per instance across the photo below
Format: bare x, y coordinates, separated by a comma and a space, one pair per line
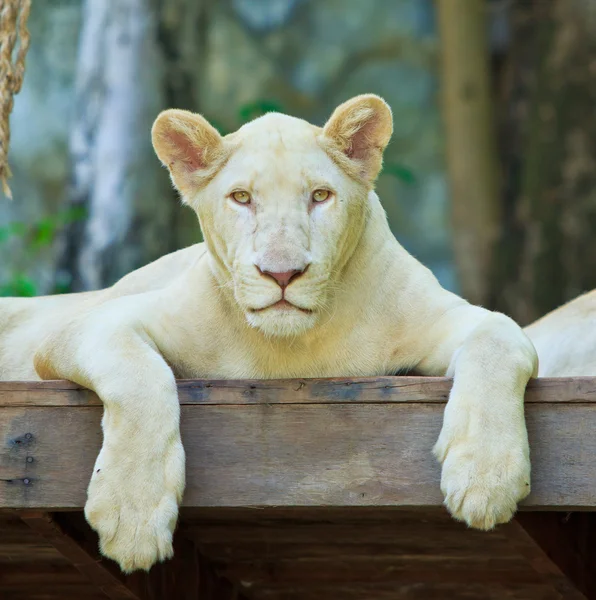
470, 141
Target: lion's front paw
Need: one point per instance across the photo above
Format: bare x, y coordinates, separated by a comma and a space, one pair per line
133, 506
482, 479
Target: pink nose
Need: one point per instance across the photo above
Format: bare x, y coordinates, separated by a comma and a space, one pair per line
283, 279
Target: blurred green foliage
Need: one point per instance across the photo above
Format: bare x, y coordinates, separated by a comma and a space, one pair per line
35, 238
401, 172
255, 109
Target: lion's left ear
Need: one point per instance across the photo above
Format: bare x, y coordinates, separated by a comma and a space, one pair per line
189, 147
360, 129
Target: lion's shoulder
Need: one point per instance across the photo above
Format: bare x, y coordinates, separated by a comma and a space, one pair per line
159, 273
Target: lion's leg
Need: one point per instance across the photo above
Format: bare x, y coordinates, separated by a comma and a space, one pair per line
138, 478
483, 445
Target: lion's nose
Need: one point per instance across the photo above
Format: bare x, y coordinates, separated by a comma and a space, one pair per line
283, 279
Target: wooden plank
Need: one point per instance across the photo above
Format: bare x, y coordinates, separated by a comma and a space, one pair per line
263, 551
541, 562
103, 574
569, 541
407, 538
188, 576
297, 391
363, 553
31, 568
418, 591
413, 549
285, 444
260, 574
375, 553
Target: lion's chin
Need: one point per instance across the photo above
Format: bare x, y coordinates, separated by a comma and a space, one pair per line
282, 320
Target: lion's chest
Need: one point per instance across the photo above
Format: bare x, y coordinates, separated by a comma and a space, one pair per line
355, 353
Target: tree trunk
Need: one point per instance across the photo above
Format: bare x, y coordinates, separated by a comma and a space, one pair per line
471, 146
547, 253
182, 39
136, 57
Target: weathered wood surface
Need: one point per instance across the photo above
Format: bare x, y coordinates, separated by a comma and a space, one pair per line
569, 541
32, 569
103, 575
357, 442
370, 553
542, 563
301, 553
370, 390
56, 557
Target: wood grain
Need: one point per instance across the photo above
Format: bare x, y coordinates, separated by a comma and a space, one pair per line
569, 541
373, 390
102, 574
334, 443
301, 553
393, 591
541, 562
32, 569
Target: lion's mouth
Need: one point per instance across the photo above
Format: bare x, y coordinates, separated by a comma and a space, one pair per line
283, 305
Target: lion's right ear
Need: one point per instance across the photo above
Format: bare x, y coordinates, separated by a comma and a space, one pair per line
189, 147
360, 129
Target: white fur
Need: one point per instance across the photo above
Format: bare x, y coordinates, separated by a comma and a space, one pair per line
565, 339
369, 309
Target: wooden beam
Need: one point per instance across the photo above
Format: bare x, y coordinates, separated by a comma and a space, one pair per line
392, 591
544, 566
102, 573
568, 540
188, 576
363, 553
342, 442
369, 390
366, 569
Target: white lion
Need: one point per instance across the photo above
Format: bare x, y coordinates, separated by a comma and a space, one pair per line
565, 339
299, 276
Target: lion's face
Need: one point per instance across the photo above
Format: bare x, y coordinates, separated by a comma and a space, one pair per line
281, 217
282, 203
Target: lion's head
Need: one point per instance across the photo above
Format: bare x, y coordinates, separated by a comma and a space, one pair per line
282, 203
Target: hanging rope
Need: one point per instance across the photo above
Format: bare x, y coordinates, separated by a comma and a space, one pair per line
13, 27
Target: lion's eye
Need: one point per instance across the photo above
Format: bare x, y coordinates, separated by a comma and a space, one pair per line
321, 195
241, 197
